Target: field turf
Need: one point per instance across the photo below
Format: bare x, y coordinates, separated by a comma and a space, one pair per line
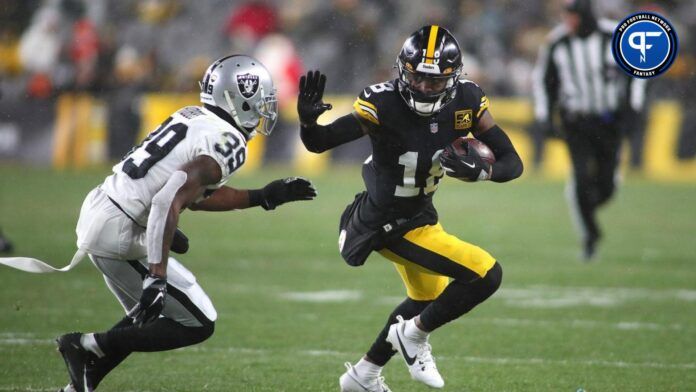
291, 312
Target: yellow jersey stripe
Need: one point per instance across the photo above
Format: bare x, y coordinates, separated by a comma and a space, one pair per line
366, 110
484, 105
430, 52
368, 104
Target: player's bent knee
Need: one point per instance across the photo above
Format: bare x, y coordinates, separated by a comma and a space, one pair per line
200, 334
493, 278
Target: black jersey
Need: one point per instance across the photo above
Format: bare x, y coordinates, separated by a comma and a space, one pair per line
404, 169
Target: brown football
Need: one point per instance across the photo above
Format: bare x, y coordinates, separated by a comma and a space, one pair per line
461, 146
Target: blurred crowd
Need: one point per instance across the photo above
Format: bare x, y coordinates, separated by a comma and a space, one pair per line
118, 50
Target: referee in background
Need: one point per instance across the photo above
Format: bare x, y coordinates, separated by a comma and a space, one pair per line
577, 74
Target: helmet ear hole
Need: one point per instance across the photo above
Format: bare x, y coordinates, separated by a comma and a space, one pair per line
246, 107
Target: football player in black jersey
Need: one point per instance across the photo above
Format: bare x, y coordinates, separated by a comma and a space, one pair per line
411, 121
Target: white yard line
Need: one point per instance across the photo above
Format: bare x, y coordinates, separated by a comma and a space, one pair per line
492, 360
322, 296
540, 296
575, 324
25, 342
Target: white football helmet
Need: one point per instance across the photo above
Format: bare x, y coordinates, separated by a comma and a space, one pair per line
241, 86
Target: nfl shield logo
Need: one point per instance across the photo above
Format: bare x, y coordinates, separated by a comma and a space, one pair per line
248, 85
433, 127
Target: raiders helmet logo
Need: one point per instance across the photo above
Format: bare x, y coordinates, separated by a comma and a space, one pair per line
248, 85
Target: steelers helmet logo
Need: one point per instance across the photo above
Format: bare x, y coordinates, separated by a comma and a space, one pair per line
644, 45
248, 85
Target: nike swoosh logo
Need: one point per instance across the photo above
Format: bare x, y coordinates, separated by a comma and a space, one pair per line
358, 382
473, 165
409, 360
367, 95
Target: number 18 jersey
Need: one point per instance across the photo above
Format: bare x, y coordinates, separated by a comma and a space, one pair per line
404, 169
190, 132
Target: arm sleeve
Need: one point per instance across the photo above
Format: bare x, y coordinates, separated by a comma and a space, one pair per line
508, 164
544, 85
319, 138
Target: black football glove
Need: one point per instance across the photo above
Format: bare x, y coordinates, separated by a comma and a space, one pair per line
309, 101
467, 168
285, 190
151, 301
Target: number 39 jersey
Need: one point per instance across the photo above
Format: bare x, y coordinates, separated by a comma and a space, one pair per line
404, 169
190, 132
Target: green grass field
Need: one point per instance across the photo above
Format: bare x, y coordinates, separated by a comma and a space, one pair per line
291, 312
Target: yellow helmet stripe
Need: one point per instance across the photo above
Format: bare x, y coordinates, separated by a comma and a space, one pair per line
430, 52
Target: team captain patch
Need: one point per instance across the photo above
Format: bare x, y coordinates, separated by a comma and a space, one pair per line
462, 119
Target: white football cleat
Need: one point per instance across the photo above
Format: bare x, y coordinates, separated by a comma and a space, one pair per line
416, 353
351, 381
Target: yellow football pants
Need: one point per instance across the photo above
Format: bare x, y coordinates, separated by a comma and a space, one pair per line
427, 257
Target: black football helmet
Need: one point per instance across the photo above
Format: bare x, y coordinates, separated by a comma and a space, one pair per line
429, 64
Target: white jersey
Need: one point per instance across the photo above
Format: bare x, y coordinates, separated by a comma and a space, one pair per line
188, 133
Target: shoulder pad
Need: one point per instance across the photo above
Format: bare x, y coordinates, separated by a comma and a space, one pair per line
480, 98
366, 105
467, 81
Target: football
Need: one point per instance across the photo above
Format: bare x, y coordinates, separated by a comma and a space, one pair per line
461, 146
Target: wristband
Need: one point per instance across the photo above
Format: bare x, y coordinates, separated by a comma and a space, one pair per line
256, 197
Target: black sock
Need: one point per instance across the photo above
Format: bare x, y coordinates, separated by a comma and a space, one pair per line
381, 350
160, 335
106, 364
459, 298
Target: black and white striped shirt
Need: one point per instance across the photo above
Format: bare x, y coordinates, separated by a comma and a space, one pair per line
580, 76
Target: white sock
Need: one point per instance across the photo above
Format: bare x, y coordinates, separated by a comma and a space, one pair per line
414, 333
69, 388
367, 369
90, 344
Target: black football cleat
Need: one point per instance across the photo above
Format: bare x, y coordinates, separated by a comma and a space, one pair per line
78, 361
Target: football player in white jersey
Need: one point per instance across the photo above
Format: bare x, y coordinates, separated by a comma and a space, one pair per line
127, 225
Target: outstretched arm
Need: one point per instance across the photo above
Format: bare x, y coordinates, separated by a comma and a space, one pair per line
319, 138
272, 195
